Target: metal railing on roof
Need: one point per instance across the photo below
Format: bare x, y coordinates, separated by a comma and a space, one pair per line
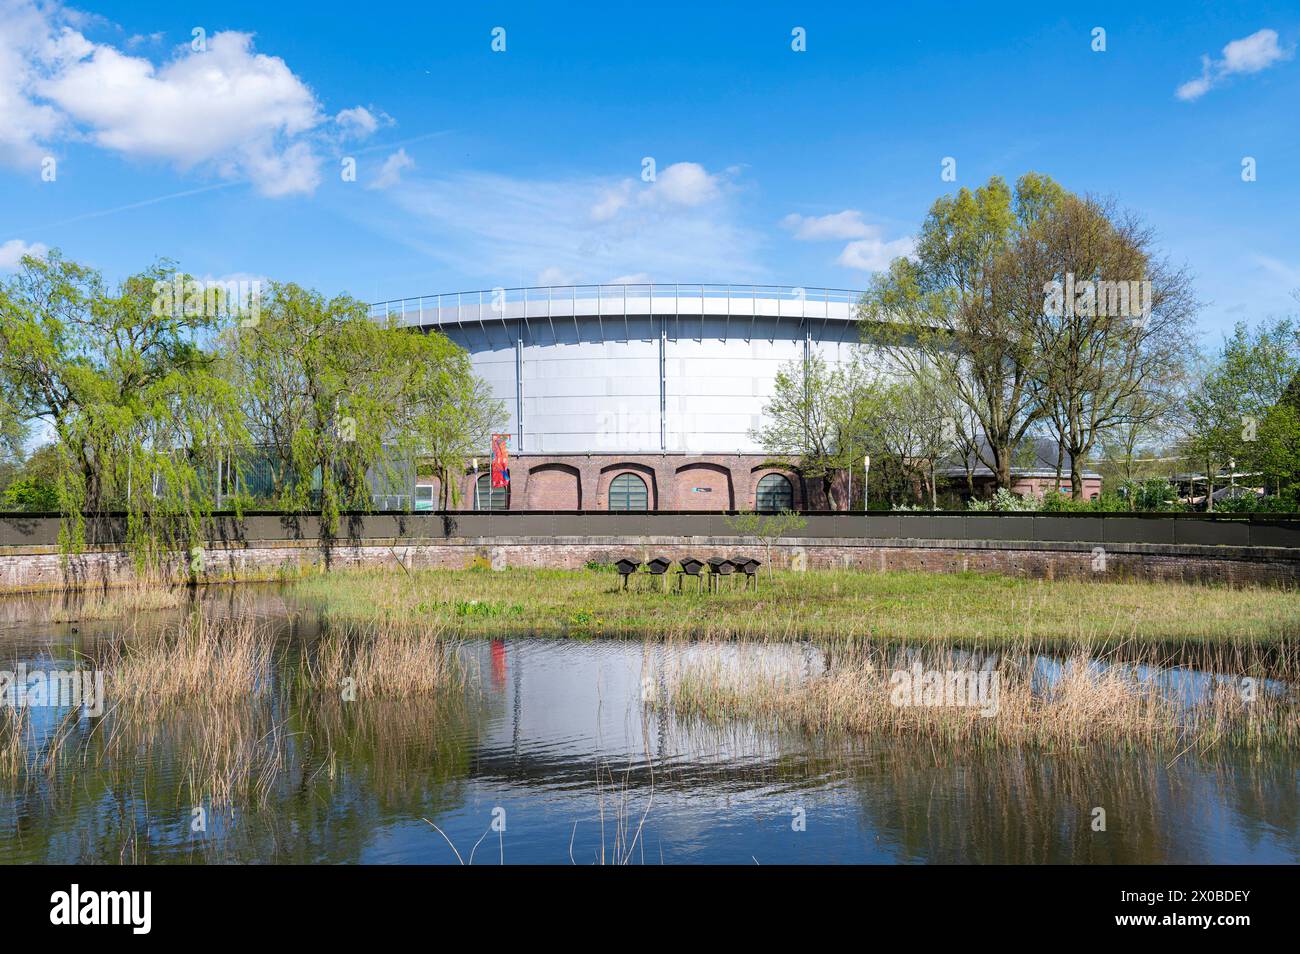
622, 301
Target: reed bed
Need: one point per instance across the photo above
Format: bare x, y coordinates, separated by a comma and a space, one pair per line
117, 602
384, 660
1087, 700
201, 661
823, 604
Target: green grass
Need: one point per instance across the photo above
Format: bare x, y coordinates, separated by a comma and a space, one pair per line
902, 606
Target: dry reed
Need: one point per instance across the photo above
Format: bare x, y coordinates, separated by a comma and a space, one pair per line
1087, 700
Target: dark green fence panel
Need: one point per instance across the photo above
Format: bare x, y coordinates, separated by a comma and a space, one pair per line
41, 530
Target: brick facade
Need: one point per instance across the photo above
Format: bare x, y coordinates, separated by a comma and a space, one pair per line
682, 482
673, 481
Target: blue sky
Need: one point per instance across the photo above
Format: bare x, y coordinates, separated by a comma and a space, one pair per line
478, 168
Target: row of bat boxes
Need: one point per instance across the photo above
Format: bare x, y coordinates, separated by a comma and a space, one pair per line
693, 567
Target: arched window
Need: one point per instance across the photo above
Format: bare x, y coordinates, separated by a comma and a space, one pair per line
628, 492
774, 493
487, 497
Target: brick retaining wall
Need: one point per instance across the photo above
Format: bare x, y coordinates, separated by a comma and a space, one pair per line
44, 568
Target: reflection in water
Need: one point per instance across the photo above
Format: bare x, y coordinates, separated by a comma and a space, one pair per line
558, 742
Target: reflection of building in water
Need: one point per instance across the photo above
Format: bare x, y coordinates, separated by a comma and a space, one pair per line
561, 709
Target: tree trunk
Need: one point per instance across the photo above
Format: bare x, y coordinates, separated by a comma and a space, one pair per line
1003, 474
828, 490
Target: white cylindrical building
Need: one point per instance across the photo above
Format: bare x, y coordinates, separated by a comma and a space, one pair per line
661, 382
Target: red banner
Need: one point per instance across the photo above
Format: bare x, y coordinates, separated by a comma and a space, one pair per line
500, 460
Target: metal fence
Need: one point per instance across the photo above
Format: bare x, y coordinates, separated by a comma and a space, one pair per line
1235, 530
612, 301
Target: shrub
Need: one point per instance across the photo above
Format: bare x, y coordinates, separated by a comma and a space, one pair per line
31, 494
1004, 501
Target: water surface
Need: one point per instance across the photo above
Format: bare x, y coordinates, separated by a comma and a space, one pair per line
556, 743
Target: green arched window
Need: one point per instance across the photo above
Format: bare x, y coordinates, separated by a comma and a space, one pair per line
487, 497
774, 493
628, 492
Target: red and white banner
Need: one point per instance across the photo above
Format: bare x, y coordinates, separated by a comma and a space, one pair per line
500, 460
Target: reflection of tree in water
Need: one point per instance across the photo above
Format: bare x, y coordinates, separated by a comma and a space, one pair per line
1032, 808
279, 779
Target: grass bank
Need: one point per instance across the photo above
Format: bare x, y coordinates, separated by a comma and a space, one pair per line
881, 607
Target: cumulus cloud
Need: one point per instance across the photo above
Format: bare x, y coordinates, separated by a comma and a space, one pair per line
12, 252
228, 109
874, 254
869, 251
26, 42
683, 185
1250, 54
686, 184
360, 123
390, 173
839, 225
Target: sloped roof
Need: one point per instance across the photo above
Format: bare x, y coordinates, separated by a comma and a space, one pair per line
1043, 463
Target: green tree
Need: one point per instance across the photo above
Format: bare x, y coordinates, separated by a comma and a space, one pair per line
342, 403
121, 377
1242, 406
766, 528
818, 419
963, 309
33, 484
1112, 354
914, 427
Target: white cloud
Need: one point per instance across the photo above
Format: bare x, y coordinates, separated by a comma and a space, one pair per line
640, 278
874, 254
839, 225
1195, 89
228, 109
1253, 53
683, 185
359, 122
391, 172
24, 123
612, 202
141, 39
12, 252
686, 184
868, 251
503, 229
1250, 54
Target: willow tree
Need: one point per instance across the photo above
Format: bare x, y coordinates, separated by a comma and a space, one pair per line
450, 411
121, 377
339, 402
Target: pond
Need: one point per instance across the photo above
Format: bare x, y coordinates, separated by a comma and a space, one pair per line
554, 752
